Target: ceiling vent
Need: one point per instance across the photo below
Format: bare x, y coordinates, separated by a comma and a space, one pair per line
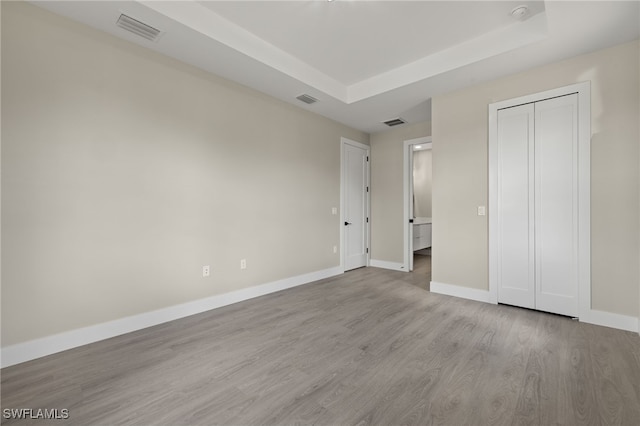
394, 122
307, 99
138, 28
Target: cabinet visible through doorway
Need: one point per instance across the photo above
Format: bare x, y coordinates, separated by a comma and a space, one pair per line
421, 236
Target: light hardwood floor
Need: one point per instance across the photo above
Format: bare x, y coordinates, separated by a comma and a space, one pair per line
363, 348
421, 274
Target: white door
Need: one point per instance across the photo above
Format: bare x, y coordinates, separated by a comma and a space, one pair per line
556, 205
537, 205
355, 161
516, 268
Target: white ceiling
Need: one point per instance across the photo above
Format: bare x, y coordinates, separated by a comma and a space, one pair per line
352, 43
366, 61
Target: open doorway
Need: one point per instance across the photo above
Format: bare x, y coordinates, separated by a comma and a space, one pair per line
417, 210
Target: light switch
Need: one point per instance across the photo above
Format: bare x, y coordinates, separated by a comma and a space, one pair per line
482, 211
334, 210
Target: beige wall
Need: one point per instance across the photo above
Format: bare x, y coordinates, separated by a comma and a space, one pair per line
387, 190
124, 172
422, 183
460, 173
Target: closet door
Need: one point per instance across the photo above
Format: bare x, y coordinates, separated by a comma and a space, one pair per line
515, 206
556, 205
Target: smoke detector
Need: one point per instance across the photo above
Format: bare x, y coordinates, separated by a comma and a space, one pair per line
520, 12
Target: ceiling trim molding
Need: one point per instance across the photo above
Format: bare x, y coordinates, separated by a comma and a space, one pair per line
210, 24
490, 44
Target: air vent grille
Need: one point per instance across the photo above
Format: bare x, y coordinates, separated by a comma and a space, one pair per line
394, 122
138, 28
307, 99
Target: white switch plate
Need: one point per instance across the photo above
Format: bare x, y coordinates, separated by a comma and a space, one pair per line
482, 211
206, 271
334, 210
243, 263
335, 249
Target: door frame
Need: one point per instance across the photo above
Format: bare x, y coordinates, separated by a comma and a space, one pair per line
583, 90
367, 148
407, 191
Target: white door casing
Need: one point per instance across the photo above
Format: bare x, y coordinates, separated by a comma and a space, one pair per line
412, 209
408, 198
355, 205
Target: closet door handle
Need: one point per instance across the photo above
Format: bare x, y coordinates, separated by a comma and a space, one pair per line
347, 223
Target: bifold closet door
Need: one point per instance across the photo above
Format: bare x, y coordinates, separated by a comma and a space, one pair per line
537, 205
556, 205
516, 250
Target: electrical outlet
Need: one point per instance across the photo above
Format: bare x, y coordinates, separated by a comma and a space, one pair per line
482, 211
206, 271
243, 263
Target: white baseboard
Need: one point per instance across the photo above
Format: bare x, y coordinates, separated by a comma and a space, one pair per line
459, 291
608, 319
37, 348
387, 265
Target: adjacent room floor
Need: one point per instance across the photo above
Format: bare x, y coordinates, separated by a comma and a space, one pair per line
421, 274
366, 347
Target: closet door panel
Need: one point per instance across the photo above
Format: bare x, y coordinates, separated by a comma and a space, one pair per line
556, 205
515, 269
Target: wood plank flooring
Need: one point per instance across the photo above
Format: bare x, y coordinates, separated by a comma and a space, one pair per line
421, 274
364, 348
